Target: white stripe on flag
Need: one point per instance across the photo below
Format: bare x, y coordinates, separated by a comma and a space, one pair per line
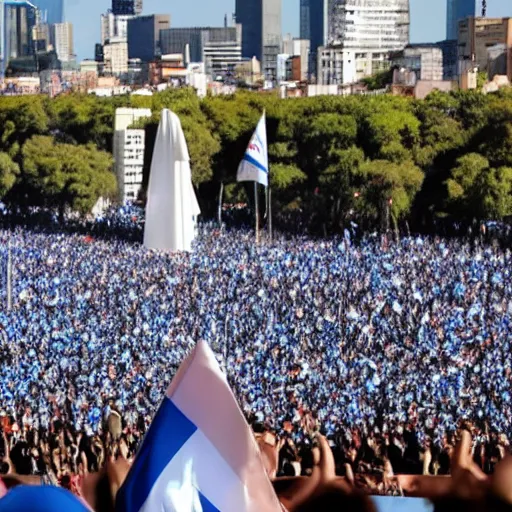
196, 467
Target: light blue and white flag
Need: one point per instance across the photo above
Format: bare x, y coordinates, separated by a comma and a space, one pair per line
254, 165
199, 454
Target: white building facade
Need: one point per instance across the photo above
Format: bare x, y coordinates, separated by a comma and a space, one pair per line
129, 145
361, 36
61, 36
115, 57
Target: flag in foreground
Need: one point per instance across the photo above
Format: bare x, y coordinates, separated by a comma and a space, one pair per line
172, 204
254, 165
199, 454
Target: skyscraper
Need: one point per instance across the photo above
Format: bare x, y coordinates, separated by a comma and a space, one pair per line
314, 26
261, 32
458, 10
61, 36
51, 11
305, 29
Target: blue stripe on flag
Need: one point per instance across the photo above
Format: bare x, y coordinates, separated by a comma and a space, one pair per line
169, 431
253, 161
206, 505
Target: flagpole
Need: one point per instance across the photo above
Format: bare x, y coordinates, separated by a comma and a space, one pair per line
220, 203
9, 277
270, 213
256, 212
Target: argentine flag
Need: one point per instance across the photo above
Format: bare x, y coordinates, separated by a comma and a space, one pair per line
199, 454
254, 165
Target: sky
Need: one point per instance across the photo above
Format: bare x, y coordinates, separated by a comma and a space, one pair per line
428, 17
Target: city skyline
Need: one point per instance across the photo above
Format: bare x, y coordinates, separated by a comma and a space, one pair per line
428, 19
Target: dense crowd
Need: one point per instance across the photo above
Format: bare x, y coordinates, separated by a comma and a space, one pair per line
387, 349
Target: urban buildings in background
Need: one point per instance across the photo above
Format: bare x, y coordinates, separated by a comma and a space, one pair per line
483, 43
219, 48
457, 10
261, 33
144, 36
341, 43
128, 151
361, 35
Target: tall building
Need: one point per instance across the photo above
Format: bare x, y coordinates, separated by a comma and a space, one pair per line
144, 36
17, 22
51, 11
374, 24
220, 48
314, 26
114, 26
305, 19
129, 152
361, 35
457, 10
61, 37
261, 32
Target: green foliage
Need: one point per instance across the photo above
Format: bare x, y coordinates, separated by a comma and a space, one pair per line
379, 80
9, 170
335, 158
65, 175
475, 189
384, 181
284, 177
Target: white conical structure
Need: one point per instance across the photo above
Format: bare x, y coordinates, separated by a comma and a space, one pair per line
172, 206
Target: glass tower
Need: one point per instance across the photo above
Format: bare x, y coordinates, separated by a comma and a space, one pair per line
458, 10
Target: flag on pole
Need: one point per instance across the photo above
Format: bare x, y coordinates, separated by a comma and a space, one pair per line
254, 165
199, 454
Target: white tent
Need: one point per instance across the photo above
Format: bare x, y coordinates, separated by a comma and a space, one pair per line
172, 206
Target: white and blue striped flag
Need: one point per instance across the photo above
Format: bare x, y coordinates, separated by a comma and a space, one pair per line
254, 165
199, 454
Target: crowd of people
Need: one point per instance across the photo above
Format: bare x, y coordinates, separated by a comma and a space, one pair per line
386, 349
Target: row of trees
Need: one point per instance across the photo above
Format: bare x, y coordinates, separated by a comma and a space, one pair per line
367, 159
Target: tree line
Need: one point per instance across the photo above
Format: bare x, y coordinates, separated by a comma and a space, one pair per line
374, 161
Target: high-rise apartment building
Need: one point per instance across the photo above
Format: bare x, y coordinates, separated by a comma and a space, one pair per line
144, 36
261, 32
457, 10
361, 35
50, 11
61, 36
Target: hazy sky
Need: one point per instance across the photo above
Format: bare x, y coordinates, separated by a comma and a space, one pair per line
428, 17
